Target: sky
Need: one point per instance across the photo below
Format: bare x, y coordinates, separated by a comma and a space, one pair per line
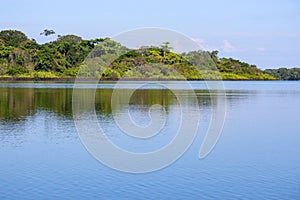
261, 32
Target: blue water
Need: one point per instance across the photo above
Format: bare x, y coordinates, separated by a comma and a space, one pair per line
256, 157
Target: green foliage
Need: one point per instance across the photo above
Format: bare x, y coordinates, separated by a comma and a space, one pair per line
284, 73
69, 39
70, 55
47, 32
29, 45
230, 65
106, 46
155, 63
15, 70
165, 48
110, 74
232, 69
12, 37
71, 72
43, 60
5, 51
203, 60
42, 75
90, 71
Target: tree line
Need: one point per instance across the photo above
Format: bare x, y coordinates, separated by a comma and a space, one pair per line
70, 56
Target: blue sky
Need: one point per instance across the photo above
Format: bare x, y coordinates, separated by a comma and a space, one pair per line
265, 33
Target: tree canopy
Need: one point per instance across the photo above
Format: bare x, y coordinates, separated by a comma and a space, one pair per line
108, 59
284, 73
12, 37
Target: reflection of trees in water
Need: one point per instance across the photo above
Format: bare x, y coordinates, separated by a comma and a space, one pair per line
48, 105
144, 98
16, 103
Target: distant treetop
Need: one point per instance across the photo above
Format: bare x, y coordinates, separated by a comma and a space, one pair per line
47, 32
12, 37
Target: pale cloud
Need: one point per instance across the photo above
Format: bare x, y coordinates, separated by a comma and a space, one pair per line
255, 34
227, 47
203, 44
261, 49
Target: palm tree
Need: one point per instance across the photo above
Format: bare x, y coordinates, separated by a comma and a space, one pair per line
165, 47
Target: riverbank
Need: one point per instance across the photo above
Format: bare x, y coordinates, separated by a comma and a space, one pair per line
17, 79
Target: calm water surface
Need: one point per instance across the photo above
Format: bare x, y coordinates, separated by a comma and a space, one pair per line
256, 157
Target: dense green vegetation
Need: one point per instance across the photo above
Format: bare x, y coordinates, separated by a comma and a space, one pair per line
70, 55
284, 73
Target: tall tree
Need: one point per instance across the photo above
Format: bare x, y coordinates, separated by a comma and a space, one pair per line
165, 47
214, 55
47, 32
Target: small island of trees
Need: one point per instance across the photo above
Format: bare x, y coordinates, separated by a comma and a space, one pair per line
23, 58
